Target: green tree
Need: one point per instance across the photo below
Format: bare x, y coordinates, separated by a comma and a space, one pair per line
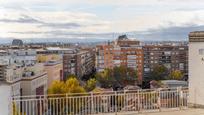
91, 84
125, 75
159, 72
105, 78
176, 75
118, 76
131, 75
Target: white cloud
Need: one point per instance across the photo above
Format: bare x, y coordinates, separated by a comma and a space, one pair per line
13, 23
160, 20
129, 15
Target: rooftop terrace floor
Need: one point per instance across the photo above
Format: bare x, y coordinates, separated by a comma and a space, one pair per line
179, 112
175, 112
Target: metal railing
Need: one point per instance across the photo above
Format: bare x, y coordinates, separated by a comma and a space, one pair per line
101, 103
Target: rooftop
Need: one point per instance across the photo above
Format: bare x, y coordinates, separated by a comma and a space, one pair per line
178, 112
52, 62
58, 48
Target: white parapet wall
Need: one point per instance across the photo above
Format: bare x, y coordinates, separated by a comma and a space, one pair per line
5, 99
196, 69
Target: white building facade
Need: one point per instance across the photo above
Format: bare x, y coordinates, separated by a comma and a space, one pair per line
196, 68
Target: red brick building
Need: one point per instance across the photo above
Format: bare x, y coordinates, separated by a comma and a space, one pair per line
124, 52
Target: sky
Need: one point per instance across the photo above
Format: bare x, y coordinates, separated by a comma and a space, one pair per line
83, 19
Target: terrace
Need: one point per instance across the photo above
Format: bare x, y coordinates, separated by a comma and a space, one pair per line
145, 102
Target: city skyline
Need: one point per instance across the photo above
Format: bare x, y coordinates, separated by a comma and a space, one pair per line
94, 57
68, 19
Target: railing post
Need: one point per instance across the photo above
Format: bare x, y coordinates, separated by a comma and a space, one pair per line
41, 109
92, 103
124, 100
180, 97
138, 93
66, 105
115, 103
159, 99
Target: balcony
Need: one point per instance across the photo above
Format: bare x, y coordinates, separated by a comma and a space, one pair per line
121, 102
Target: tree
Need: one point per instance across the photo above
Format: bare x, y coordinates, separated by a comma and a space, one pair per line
125, 75
159, 72
117, 77
176, 75
119, 74
70, 76
70, 86
56, 88
105, 78
91, 84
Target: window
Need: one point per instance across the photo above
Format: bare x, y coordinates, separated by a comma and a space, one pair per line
181, 66
201, 51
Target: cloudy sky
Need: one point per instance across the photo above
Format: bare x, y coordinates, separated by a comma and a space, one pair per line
66, 19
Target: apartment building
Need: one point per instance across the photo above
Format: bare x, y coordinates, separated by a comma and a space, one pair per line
53, 57
172, 57
124, 52
19, 69
18, 56
80, 63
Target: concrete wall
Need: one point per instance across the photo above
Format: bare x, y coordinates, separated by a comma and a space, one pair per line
196, 73
53, 73
29, 86
5, 99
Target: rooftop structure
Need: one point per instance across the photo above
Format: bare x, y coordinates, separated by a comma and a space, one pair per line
196, 65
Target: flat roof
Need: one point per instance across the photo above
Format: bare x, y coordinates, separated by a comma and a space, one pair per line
52, 62
58, 48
